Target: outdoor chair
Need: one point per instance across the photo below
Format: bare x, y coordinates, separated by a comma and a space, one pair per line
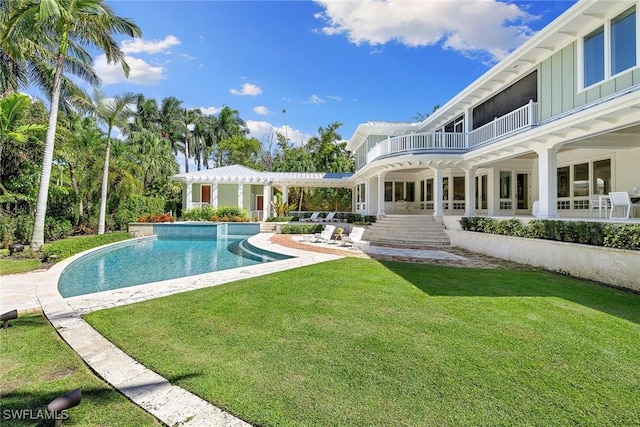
355, 238
597, 203
620, 199
329, 218
326, 234
312, 218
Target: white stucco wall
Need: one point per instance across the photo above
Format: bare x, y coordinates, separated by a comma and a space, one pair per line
614, 267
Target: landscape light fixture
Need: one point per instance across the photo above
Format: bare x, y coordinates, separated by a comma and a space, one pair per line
64, 402
9, 315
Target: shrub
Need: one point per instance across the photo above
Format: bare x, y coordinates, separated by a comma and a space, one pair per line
301, 228
15, 229
589, 233
55, 229
211, 213
133, 207
61, 249
157, 218
625, 236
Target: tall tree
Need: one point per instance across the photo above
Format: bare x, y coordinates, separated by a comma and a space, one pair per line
113, 112
16, 152
171, 123
65, 26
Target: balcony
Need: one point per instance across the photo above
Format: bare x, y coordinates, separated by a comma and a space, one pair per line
524, 117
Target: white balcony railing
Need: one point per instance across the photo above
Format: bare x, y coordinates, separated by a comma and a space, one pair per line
522, 118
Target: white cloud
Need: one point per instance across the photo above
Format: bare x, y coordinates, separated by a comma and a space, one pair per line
247, 89
150, 46
334, 97
261, 110
141, 72
314, 99
471, 27
209, 111
262, 131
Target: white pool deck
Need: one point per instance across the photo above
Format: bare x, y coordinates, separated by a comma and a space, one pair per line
172, 405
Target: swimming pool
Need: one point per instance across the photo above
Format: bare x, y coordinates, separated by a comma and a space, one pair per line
154, 259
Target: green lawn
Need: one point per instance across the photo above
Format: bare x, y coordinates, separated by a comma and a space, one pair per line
365, 343
19, 265
36, 366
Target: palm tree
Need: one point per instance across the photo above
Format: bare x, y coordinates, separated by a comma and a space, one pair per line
113, 112
14, 149
171, 122
64, 27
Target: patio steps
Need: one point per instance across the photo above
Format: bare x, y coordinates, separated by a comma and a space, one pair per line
268, 227
410, 231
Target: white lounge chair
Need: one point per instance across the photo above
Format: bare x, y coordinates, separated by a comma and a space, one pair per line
312, 218
326, 234
329, 218
355, 238
620, 199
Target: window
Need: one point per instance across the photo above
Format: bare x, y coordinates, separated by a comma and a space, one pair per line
388, 191
602, 177
399, 191
430, 190
505, 184
623, 41
360, 193
563, 181
610, 49
458, 188
594, 57
581, 180
445, 188
411, 192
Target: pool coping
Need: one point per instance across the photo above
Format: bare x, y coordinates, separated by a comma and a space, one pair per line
169, 403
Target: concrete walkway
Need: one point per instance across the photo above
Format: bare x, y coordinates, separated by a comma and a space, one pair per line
18, 291
171, 404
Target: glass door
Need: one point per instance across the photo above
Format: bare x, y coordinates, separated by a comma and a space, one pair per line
522, 191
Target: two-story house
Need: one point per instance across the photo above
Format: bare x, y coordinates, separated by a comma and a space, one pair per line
555, 122
542, 132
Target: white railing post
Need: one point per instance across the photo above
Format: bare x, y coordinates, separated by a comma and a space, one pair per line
531, 112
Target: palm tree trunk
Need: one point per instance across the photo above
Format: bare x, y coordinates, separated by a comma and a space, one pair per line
37, 240
186, 155
105, 185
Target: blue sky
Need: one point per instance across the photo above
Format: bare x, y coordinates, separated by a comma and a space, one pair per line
321, 61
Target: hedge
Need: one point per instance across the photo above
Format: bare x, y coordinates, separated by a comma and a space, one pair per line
61, 249
620, 236
212, 213
300, 228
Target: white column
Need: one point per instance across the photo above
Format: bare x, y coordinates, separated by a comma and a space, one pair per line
189, 195
547, 183
353, 198
437, 193
266, 200
494, 192
470, 191
214, 195
285, 194
381, 194
241, 195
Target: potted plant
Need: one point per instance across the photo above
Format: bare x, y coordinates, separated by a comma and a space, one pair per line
339, 232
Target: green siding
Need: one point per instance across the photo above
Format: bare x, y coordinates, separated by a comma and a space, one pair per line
624, 81
557, 84
544, 90
569, 78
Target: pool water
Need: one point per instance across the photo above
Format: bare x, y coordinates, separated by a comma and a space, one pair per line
152, 260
